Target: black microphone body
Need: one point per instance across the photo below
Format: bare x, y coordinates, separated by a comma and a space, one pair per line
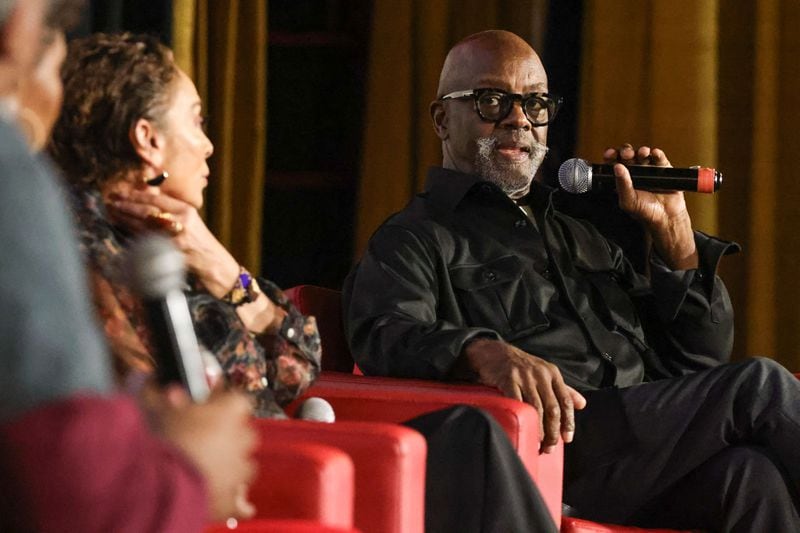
158, 273
578, 176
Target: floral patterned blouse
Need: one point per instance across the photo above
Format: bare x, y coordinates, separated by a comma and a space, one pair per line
273, 369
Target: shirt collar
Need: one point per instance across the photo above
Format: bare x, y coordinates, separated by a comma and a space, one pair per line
449, 187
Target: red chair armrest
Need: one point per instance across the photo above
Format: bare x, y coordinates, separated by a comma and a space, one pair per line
380, 399
389, 465
303, 480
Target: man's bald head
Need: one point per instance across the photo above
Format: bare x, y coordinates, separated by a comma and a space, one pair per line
480, 53
506, 151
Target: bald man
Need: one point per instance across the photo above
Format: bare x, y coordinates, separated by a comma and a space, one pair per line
480, 277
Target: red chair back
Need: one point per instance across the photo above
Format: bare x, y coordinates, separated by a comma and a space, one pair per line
303, 480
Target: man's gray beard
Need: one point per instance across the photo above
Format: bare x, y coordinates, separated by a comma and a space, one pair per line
512, 178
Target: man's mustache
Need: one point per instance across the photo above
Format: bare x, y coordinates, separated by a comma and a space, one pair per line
518, 140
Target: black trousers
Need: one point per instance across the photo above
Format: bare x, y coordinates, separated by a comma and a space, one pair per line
475, 481
718, 450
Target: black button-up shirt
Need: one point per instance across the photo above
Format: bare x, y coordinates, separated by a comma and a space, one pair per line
462, 260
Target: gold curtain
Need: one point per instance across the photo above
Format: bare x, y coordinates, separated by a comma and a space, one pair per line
223, 47
649, 77
716, 83
409, 44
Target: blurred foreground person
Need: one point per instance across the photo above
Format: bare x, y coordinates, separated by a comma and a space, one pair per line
74, 455
131, 136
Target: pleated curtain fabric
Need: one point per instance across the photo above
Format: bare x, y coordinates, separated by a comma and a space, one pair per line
222, 45
715, 83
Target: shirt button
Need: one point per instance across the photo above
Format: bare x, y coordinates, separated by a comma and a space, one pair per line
491, 276
547, 274
607, 356
520, 223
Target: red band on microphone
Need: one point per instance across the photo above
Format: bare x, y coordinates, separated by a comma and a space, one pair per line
705, 179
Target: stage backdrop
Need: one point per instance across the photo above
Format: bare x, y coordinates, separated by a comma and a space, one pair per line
715, 83
223, 47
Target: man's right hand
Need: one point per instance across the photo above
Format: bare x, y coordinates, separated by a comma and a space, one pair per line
530, 379
219, 440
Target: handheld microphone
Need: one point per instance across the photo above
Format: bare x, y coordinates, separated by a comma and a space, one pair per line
157, 275
578, 176
316, 409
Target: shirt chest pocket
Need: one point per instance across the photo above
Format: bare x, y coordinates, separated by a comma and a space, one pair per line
494, 295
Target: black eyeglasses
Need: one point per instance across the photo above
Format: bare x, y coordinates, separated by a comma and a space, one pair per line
493, 105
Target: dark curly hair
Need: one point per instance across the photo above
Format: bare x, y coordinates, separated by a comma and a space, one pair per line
110, 82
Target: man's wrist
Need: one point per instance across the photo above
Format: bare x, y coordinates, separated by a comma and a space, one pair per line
464, 367
674, 243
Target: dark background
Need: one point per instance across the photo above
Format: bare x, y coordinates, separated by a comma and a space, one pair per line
317, 69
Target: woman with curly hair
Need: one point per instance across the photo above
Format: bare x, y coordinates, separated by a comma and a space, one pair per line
130, 138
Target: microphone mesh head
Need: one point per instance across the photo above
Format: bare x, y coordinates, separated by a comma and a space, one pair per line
316, 409
575, 176
156, 266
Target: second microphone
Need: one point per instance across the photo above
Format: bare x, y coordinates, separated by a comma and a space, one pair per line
578, 176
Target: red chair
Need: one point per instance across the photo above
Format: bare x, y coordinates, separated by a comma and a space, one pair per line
396, 400
358, 397
299, 479
393, 400
299, 487
389, 465
307, 476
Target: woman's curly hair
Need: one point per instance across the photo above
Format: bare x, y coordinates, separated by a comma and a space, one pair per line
110, 82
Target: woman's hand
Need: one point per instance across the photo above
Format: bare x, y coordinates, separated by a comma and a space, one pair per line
216, 269
206, 257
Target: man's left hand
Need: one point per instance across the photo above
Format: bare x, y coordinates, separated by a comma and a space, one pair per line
664, 214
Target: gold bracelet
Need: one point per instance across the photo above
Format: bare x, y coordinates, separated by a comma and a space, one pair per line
244, 291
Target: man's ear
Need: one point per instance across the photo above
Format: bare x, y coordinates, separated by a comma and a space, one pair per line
147, 142
439, 116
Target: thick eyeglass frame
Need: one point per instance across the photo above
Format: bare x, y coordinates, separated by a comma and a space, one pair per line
553, 103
